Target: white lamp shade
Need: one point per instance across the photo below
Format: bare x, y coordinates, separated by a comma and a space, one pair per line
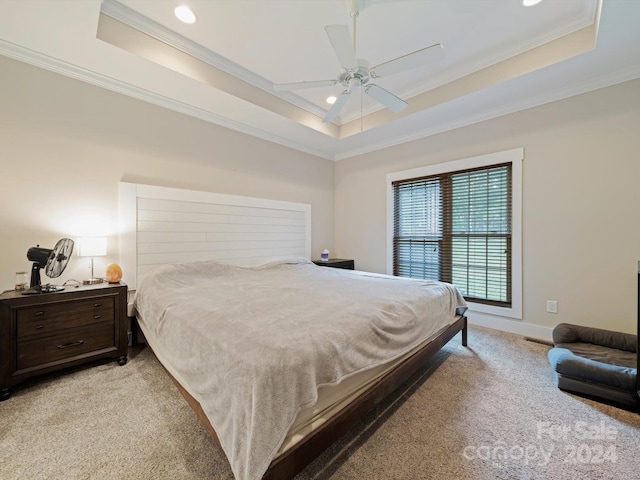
92, 246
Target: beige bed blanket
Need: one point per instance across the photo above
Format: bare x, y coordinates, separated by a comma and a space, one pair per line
252, 345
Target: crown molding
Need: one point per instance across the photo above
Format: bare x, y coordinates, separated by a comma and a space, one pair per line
572, 90
46, 62
67, 69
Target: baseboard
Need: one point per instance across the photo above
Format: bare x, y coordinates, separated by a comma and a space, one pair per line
512, 326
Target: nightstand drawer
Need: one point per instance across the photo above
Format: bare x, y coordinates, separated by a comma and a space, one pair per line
66, 344
48, 318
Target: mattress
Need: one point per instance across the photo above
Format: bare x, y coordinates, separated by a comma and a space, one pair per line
333, 398
270, 352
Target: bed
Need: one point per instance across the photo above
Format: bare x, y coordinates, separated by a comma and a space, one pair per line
278, 357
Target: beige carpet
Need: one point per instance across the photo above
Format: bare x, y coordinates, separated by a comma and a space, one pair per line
489, 411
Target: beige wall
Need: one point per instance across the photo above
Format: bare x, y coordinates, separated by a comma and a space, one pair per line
581, 204
65, 145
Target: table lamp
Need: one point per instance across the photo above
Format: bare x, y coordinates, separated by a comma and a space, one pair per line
92, 247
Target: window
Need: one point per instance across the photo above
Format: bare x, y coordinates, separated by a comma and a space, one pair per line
456, 227
458, 223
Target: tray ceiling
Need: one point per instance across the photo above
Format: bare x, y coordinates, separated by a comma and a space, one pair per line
499, 57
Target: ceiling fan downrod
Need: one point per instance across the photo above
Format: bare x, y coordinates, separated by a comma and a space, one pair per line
354, 15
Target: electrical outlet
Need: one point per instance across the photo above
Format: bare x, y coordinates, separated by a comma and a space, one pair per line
552, 306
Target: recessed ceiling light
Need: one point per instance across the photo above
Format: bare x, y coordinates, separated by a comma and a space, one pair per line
185, 14
530, 3
331, 100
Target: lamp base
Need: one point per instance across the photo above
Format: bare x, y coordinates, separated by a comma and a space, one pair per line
92, 281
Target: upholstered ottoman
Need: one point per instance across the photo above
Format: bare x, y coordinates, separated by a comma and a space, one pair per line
595, 362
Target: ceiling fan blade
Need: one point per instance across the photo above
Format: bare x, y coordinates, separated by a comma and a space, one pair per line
386, 98
285, 87
335, 109
341, 42
419, 58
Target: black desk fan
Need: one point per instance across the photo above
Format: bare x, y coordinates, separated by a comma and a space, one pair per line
53, 261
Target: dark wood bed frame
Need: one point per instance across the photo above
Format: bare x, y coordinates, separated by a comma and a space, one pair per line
287, 465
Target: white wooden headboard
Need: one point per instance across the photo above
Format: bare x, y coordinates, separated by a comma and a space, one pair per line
160, 225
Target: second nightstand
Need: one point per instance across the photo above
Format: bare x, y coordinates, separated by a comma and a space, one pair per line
336, 263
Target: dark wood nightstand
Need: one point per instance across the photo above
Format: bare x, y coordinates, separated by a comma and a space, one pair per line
336, 263
46, 332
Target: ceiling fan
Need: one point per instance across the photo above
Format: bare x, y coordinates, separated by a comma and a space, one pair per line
356, 72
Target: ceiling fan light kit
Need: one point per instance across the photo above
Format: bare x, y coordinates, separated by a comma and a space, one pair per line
356, 73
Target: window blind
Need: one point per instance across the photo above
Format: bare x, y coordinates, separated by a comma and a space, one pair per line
456, 228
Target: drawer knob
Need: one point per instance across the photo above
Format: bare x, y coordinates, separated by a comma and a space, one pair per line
39, 327
96, 317
38, 314
72, 344
97, 304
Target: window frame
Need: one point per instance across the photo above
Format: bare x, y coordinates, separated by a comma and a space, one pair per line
515, 157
